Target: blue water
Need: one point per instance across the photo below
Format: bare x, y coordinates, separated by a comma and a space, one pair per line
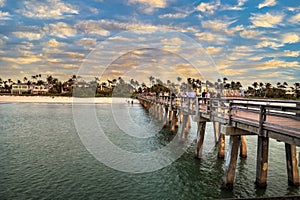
42, 157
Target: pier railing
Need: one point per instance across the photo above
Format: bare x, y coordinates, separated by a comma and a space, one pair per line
280, 116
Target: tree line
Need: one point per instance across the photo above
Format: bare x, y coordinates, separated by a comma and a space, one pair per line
119, 87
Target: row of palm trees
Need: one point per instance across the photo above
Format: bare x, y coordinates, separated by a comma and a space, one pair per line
257, 89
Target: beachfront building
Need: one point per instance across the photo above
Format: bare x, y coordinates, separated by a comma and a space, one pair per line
20, 88
39, 89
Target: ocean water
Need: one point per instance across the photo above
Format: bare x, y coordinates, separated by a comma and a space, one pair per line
42, 156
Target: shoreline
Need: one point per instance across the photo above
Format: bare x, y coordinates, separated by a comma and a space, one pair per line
61, 100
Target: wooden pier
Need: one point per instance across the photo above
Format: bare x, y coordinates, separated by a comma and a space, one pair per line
237, 118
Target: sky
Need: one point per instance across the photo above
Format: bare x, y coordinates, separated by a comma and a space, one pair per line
241, 40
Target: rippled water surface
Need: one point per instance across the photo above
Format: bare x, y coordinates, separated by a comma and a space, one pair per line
42, 157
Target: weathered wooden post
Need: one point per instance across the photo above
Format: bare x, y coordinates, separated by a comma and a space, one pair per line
217, 127
243, 148
231, 159
292, 164
200, 139
173, 122
165, 117
176, 119
170, 114
262, 152
221, 145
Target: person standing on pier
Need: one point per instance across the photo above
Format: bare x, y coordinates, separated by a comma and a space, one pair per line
203, 97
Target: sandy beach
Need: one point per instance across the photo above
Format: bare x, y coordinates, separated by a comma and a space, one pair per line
65, 100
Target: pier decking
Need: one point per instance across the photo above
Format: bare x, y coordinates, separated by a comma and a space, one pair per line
237, 118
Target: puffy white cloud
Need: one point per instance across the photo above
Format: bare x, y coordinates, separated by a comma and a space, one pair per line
148, 6
28, 35
213, 50
250, 34
208, 8
270, 44
289, 53
216, 25
212, 37
173, 41
290, 38
153, 3
60, 29
4, 15
295, 19
266, 20
267, 3
48, 9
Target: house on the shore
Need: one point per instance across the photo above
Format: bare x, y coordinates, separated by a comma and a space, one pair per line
23, 88
20, 88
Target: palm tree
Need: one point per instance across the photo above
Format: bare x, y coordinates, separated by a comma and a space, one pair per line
151, 79
49, 79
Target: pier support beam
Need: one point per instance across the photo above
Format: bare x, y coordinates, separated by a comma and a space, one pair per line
170, 115
217, 128
173, 122
200, 139
221, 145
165, 117
262, 161
243, 147
292, 164
230, 164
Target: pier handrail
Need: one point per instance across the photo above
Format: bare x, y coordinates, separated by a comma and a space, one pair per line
228, 110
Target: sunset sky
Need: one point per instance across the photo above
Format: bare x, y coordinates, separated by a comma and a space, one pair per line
243, 40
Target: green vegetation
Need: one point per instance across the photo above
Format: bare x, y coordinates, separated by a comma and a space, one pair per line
77, 86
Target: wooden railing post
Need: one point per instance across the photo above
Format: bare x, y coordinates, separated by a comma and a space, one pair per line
230, 114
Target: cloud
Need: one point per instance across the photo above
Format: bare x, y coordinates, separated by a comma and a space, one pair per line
250, 34
28, 35
92, 27
60, 29
289, 53
4, 15
295, 19
266, 20
28, 59
267, 3
208, 8
2, 3
290, 38
270, 44
174, 16
87, 43
152, 3
216, 25
173, 41
274, 64
210, 37
148, 6
50, 9
213, 50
